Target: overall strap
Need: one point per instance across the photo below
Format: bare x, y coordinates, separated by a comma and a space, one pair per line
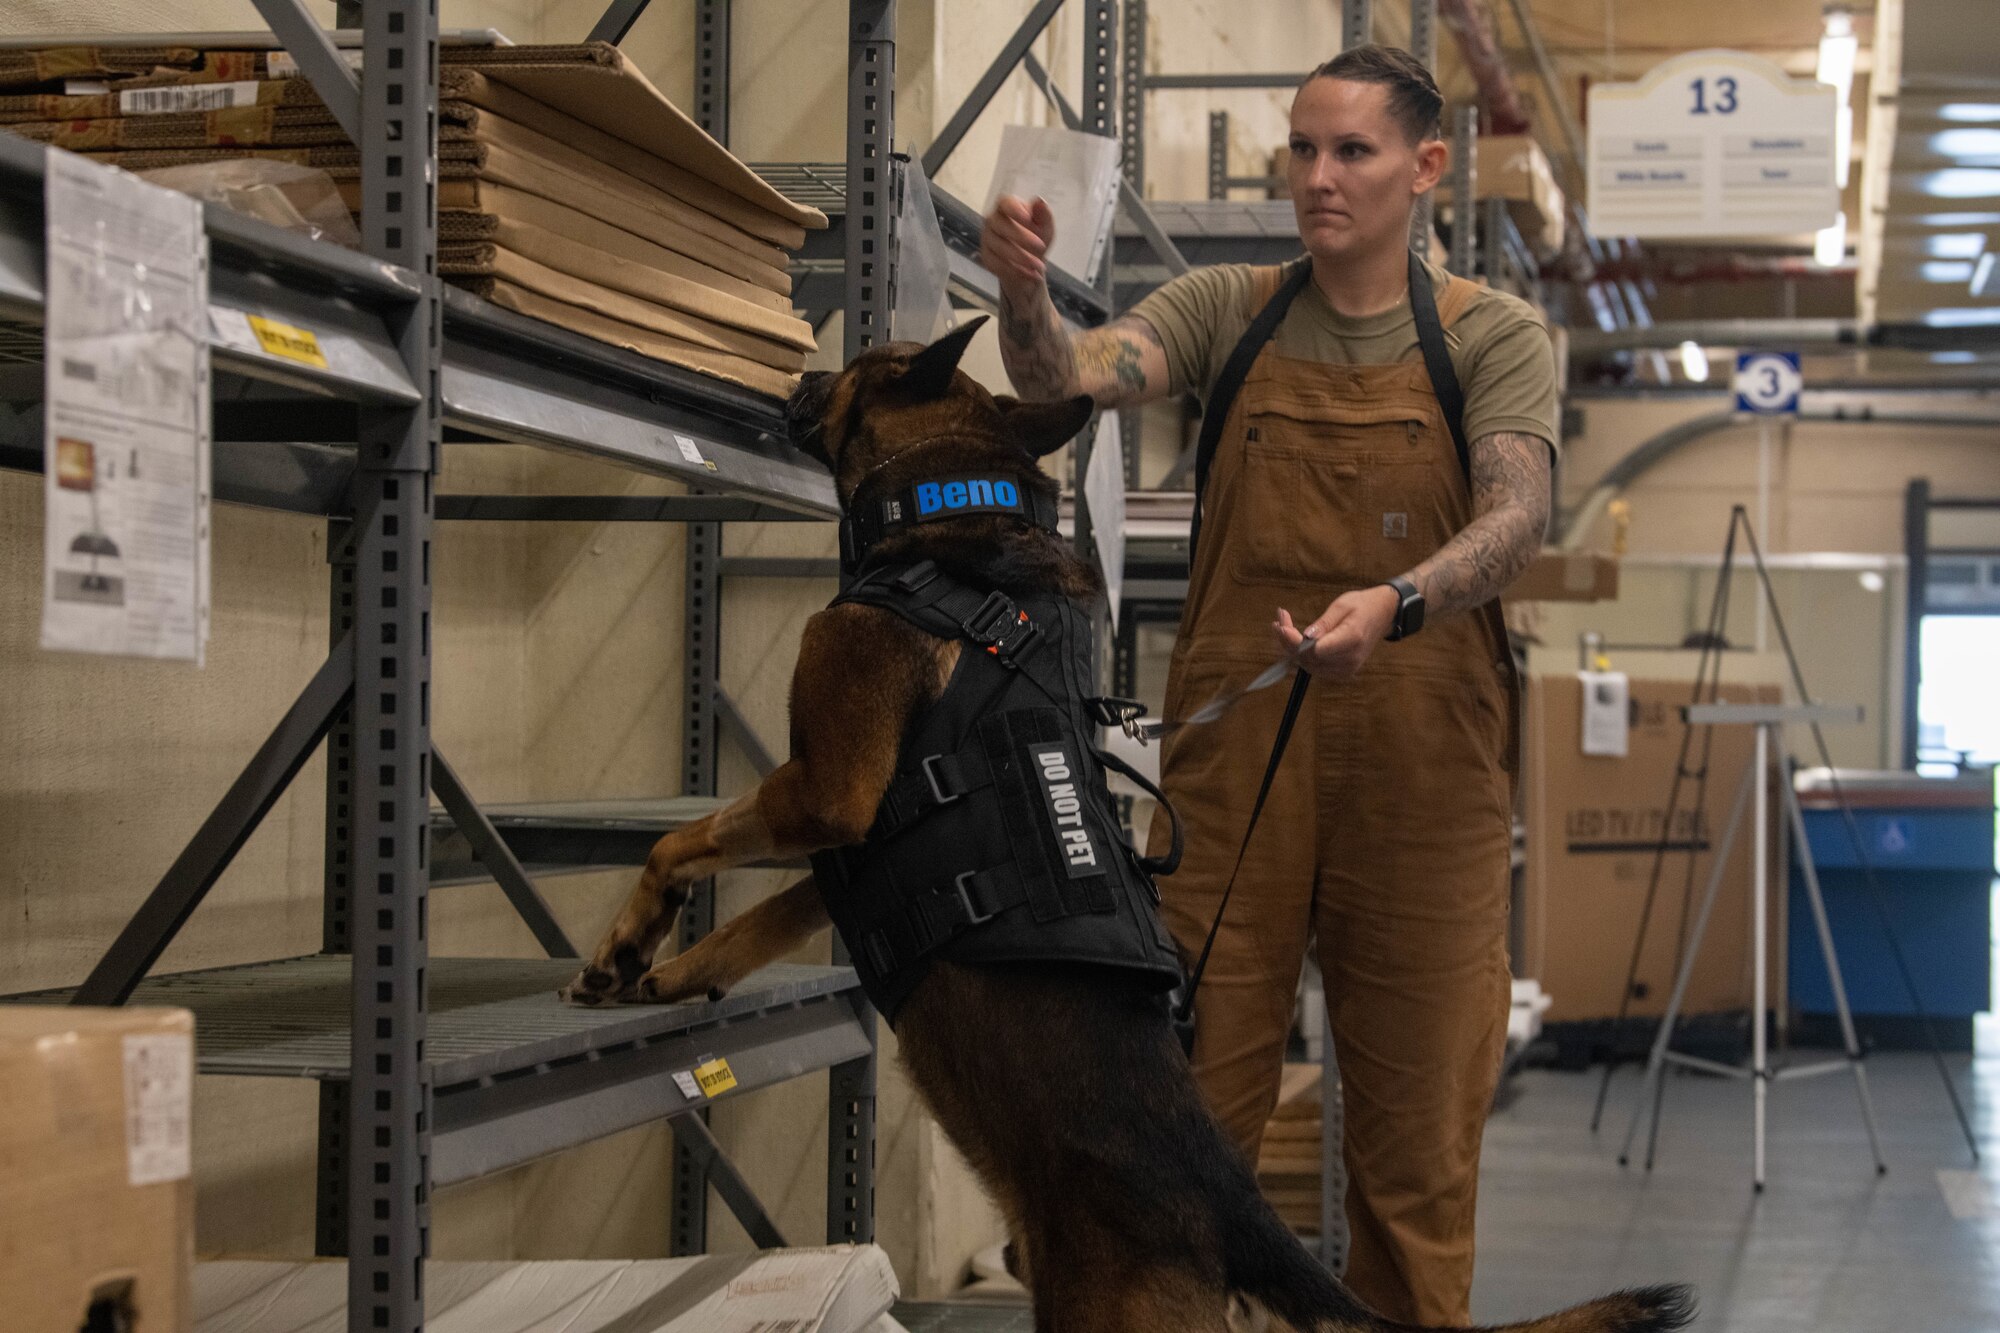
1234, 371
1437, 361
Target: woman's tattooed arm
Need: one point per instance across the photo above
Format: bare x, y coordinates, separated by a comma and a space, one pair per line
1510, 501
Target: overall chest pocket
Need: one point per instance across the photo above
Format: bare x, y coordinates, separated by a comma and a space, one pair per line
1331, 493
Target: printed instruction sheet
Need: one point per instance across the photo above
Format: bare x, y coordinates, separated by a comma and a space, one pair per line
126, 414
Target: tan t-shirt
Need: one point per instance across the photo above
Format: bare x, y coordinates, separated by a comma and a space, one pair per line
1499, 347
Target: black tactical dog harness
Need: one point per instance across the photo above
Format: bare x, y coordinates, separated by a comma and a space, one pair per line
996, 841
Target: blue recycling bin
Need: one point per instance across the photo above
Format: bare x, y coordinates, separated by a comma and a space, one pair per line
1930, 841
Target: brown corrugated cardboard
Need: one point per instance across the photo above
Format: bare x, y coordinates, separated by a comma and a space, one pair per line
646, 342
244, 126
830, 1289
597, 84
96, 1204
1567, 576
493, 261
607, 227
1513, 167
1592, 825
56, 106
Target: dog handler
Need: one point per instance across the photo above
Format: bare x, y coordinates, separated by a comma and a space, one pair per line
1338, 502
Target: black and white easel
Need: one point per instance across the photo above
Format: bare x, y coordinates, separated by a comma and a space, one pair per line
1753, 794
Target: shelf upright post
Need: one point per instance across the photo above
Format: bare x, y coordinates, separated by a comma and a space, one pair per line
1132, 140
336, 931
1357, 23
1218, 155
1423, 45
871, 283
701, 651
389, 1094
1464, 189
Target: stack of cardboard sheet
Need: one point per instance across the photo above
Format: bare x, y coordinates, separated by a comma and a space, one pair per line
570, 189
1288, 1162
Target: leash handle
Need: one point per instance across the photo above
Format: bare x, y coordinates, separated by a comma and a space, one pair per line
1292, 706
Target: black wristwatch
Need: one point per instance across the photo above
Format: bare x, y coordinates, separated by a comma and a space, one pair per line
1409, 611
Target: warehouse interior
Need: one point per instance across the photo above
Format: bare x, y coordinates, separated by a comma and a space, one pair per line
625, 553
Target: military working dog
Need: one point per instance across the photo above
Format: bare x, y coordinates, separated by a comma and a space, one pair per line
1063, 1083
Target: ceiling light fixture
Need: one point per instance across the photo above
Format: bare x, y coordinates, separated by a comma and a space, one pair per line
1694, 362
1946, 270
1974, 112
1982, 275
1962, 183
1956, 245
1963, 142
1838, 50
1830, 243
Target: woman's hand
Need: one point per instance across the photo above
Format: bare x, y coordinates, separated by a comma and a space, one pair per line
1345, 633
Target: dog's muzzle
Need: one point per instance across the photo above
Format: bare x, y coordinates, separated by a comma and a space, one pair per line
805, 412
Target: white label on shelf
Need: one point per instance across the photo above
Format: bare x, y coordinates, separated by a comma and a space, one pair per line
1712, 143
126, 416
684, 1079
692, 451
159, 1095
187, 97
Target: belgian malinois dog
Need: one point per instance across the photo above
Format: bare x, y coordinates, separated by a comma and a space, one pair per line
1066, 1089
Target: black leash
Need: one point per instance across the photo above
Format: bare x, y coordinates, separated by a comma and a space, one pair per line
1183, 1013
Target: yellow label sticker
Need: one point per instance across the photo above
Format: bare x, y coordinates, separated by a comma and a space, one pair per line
715, 1077
288, 341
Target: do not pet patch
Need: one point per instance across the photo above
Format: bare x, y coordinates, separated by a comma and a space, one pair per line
1055, 772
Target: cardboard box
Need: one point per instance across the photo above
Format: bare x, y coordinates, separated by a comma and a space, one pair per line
1592, 826
1566, 576
1513, 167
97, 1205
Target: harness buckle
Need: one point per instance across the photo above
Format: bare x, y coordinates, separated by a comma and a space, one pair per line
1112, 711
973, 916
932, 776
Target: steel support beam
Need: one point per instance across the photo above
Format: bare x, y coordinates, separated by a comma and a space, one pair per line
871, 198
617, 20
1218, 154
730, 718
1464, 189
1132, 96
498, 858
1281, 80
235, 817
336, 932
711, 68
982, 92
1423, 45
389, 1094
693, 1138
850, 1147
1357, 23
318, 59
780, 567
616, 509
1916, 575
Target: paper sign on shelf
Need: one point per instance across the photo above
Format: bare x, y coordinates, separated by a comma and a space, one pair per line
1607, 713
287, 340
715, 1076
1104, 494
126, 416
1712, 143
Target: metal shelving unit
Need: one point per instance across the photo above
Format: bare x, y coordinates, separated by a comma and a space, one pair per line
434, 1070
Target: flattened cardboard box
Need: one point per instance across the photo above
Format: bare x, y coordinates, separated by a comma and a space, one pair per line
1593, 824
96, 1200
830, 1289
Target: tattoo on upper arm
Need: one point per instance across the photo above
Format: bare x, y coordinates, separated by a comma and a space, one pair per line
1510, 502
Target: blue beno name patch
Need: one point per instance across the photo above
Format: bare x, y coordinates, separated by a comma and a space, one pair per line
942, 497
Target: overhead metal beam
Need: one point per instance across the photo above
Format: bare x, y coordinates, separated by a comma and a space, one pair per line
989, 83
319, 60
617, 509
1165, 82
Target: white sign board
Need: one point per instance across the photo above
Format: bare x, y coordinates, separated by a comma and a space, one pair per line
1077, 174
1768, 383
1712, 143
126, 410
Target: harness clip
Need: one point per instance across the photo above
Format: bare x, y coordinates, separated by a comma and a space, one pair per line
932, 776
973, 916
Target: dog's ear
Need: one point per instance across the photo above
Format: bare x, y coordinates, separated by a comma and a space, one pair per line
930, 372
1043, 428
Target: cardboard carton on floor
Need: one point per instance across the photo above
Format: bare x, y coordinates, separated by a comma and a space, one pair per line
1592, 825
96, 1200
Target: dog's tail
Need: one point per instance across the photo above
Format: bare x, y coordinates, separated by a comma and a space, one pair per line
1643, 1310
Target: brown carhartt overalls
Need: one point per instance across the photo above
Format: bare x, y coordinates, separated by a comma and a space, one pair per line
1387, 832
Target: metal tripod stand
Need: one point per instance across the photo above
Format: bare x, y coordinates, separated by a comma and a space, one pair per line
1752, 793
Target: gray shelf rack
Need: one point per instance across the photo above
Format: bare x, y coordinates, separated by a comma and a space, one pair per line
435, 1070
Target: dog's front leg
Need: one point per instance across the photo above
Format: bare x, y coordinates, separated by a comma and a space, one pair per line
859, 674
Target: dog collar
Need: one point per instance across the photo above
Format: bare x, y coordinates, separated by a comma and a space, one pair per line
871, 518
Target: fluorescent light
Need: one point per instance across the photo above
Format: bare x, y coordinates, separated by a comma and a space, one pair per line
1946, 270
1871, 580
1958, 358
1966, 143
1694, 362
1961, 183
1982, 274
1843, 143
1959, 317
1830, 243
1969, 111
1837, 51
1956, 245
1956, 219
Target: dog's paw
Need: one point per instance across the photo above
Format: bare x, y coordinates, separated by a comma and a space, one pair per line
673, 981
592, 986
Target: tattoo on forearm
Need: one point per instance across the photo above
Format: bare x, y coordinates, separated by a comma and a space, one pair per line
1510, 501
1035, 348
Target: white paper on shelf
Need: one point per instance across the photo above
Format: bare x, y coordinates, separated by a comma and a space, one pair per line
1077, 174
1104, 493
1607, 721
923, 265
126, 436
